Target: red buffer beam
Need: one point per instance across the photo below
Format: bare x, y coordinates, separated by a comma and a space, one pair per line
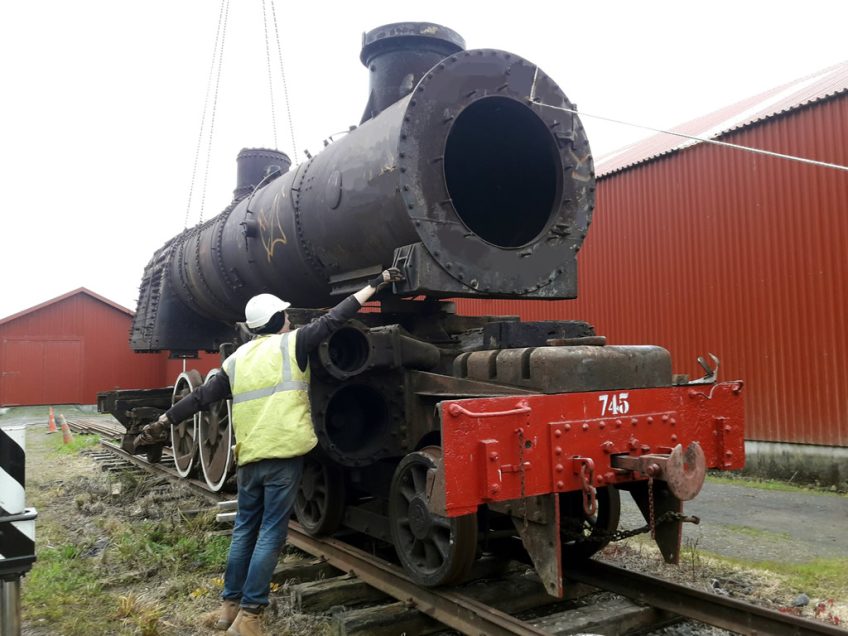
505, 448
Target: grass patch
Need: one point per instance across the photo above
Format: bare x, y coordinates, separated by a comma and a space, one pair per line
171, 546
78, 443
770, 484
60, 580
819, 578
759, 533
103, 566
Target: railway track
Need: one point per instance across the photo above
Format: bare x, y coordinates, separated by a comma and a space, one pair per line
510, 604
95, 426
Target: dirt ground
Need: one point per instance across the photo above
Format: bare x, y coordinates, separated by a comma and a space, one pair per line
126, 553
121, 552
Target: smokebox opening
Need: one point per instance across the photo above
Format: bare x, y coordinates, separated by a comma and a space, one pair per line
348, 350
502, 171
357, 420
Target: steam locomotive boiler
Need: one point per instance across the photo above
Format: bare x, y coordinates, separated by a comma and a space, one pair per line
446, 435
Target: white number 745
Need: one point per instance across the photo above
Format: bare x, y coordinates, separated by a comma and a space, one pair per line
614, 404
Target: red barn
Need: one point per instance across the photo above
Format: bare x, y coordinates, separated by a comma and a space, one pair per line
65, 350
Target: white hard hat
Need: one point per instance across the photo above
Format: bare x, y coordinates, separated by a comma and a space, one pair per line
261, 308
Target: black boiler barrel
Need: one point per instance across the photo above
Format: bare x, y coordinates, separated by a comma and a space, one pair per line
472, 182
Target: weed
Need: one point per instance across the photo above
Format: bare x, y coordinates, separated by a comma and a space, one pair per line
143, 616
692, 556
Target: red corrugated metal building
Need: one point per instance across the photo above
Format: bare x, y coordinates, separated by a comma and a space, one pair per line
701, 248
67, 349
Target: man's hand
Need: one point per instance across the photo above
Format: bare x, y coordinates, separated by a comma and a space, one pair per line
153, 432
391, 275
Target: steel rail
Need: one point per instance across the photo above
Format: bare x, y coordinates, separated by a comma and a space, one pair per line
196, 485
473, 617
720, 611
450, 608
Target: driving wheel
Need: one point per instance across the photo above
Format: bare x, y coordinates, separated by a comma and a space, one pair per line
184, 434
320, 501
215, 441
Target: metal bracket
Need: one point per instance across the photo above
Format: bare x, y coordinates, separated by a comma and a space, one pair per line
683, 471
543, 543
711, 373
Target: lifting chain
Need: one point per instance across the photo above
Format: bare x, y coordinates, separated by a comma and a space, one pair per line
651, 521
587, 476
270, 73
520, 432
283, 77
217, 58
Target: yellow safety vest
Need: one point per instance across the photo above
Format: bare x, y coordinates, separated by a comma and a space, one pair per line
271, 414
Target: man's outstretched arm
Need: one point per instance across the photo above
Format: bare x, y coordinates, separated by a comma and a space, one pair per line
310, 336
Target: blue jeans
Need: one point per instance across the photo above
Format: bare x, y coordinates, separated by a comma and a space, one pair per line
266, 494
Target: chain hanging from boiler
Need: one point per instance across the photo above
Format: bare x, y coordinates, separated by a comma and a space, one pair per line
214, 71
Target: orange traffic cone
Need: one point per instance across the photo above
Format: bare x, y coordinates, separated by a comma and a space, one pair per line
51, 423
66, 430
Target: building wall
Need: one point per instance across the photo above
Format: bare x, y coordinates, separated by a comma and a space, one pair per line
68, 351
745, 256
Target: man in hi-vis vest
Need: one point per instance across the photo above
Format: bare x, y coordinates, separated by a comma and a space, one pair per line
268, 379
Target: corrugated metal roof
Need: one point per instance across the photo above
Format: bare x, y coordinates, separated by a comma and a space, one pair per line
53, 301
782, 99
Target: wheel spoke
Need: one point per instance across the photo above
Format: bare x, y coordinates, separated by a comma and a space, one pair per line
443, 544
407, 492
431, 554
419, 479
417, 550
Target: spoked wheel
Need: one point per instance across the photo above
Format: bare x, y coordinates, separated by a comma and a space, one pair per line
184, 434
582, 534
215, 439
320, 502
434, 550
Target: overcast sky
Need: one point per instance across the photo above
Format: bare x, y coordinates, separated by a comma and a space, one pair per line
101, 101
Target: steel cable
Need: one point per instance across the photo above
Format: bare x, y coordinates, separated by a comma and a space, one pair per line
759, 151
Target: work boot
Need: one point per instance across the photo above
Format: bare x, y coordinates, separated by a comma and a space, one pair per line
229, 610
246, 624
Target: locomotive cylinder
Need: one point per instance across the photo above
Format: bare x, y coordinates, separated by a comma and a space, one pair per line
469, 183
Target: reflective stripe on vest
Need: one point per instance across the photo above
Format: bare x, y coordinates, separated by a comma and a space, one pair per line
286, 383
